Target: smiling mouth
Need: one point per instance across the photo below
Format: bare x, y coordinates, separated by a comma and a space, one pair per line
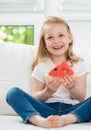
57, 47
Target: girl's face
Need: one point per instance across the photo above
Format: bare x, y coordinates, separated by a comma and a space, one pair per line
57, 39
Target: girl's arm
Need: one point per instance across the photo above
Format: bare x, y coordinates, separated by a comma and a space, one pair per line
39, 90
43, 91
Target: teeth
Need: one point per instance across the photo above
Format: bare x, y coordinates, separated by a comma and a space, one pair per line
58, 47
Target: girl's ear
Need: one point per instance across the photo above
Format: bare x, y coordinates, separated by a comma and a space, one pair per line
70, 37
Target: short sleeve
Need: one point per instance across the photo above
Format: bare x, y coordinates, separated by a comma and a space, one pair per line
38, 74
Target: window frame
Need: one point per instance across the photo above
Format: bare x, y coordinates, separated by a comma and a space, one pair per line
22, 6
75, 10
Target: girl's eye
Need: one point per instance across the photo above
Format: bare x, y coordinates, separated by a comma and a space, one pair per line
60, 35
49, 37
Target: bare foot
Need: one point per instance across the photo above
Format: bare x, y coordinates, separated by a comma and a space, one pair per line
56, 121
60, 121
41, 121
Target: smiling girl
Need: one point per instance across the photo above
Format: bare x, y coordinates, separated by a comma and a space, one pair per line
56, 102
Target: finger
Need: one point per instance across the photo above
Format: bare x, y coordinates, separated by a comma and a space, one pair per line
70, 79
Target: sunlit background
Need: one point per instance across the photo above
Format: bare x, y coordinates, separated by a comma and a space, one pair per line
17, 34
21, 20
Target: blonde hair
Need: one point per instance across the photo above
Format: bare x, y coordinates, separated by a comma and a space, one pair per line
42, 51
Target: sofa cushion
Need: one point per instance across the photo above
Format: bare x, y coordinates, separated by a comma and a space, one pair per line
15, 70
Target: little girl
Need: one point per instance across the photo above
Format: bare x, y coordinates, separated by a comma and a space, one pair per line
56, 102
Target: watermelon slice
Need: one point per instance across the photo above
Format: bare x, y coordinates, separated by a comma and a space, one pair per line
60, 70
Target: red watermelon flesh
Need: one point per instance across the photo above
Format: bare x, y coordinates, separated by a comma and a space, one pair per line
61, 70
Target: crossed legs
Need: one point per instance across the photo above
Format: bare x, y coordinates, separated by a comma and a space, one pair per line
26, 105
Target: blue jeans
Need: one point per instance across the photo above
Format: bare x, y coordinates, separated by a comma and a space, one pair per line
26, 106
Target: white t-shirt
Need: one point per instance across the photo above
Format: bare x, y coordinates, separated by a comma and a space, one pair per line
62, 94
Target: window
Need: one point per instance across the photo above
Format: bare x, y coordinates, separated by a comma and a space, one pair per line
22, 14
17, 34
75, 9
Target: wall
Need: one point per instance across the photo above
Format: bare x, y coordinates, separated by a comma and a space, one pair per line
82, 33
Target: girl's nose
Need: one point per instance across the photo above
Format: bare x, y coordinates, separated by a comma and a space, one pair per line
56, 40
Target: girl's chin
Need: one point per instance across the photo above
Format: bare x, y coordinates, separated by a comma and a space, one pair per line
57, 55
58, 52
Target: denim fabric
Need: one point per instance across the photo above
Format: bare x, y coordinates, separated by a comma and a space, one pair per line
26, 106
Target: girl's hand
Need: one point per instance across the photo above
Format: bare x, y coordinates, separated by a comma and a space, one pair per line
53, 84
69, 81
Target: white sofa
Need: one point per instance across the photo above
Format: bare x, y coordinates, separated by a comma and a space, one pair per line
15, 70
